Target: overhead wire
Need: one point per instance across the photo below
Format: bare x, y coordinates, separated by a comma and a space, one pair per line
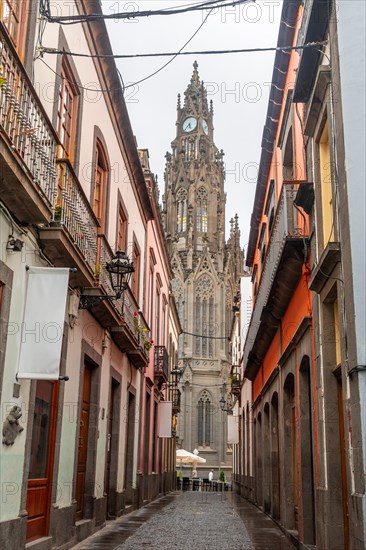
74, 19
124, 87
44, 50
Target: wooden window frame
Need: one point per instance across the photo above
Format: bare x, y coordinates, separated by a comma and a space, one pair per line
67, 84
135, 280
101, 178
122, 224
19, 37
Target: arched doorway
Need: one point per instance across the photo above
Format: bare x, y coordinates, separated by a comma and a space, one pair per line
306, 453
290, 454
266, 460
275, 465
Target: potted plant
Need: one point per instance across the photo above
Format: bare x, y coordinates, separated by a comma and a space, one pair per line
57, 215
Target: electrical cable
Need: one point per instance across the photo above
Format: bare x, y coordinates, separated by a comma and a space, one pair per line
74, 19
44, 50
206, 337
96, 90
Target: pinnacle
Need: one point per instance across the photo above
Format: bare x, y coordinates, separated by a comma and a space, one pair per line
195, 76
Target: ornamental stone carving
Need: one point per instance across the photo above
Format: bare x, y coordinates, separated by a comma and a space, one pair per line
204, 288
11, 426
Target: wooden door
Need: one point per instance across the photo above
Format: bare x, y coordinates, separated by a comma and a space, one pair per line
39, 490
83, 444
112, 448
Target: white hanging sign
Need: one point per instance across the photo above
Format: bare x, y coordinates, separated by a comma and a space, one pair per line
43, 324
165, 419
232, 428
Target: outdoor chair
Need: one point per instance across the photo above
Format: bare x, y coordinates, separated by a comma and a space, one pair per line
206, 484
186, 484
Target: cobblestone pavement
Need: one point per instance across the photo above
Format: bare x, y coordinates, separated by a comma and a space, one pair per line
191, 520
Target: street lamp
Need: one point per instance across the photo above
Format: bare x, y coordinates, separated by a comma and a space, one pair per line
120, 270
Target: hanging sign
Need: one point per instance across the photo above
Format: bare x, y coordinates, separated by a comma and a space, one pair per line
43, 324
165, 418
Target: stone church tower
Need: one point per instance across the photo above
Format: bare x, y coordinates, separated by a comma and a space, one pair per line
206, 275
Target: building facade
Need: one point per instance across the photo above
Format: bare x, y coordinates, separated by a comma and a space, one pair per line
304, 349
73, 193
206, 272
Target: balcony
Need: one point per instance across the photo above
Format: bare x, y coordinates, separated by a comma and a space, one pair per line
71, 238
161, 365
287, 249
27, 142
175, 397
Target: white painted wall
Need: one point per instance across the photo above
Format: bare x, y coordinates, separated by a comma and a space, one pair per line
351, 18
12, 457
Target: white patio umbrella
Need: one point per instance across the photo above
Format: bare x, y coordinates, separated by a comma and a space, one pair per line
185, 457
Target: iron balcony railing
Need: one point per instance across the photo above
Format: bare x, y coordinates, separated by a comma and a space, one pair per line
73, 210
127, 306
24, 121
288, 224
161, 366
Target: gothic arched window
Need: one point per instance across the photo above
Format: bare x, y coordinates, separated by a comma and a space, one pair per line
181, 211
204, 317
204, 420
202, 213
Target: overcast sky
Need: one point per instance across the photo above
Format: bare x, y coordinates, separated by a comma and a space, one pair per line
237, 83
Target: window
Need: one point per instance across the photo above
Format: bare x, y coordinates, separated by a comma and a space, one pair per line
13, 14
68, 99
181, 211
326, 186
122, 229
135, 284
163, 320
157, 313
270, 204
204, 317
202, 214
288, 158
151, 297
100, 186
204, 419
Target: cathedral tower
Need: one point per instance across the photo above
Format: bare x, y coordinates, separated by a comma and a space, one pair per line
206, 273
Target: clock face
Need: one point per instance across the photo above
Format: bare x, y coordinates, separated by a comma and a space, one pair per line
189, 124
205, 126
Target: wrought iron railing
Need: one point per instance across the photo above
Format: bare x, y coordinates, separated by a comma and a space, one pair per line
175, 397
24, 120
161, 367
288, 223
73, 210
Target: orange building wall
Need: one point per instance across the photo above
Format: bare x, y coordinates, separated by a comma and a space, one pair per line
271, 359
299, 307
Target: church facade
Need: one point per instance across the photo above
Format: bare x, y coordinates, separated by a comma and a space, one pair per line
206, 270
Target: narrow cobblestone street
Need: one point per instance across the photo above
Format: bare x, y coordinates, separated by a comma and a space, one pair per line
215, 521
